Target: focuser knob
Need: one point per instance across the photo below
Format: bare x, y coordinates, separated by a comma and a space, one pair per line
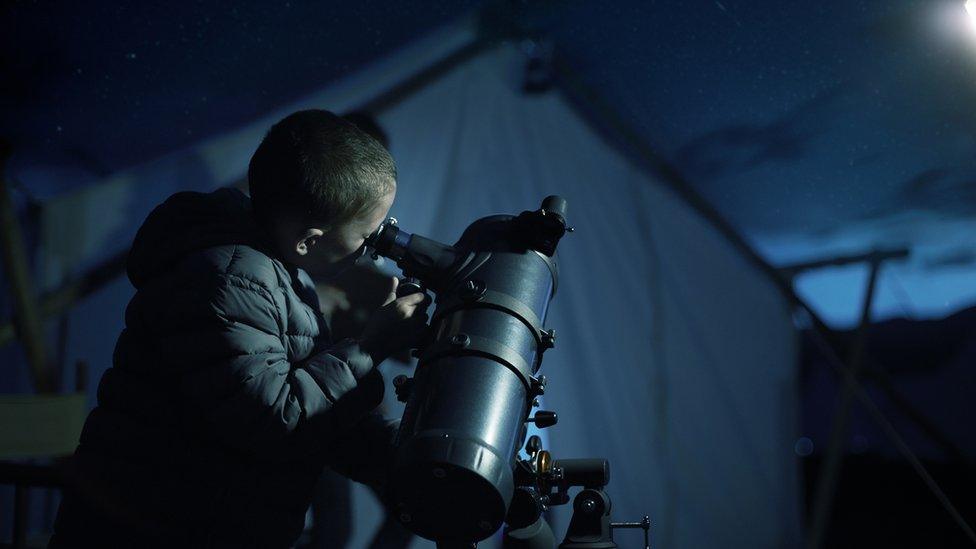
533, 445
544, 418
409, 285
402, 385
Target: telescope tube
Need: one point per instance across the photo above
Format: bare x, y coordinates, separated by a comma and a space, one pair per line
474, 385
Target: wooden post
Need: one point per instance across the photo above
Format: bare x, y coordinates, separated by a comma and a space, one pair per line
81, 376
21, 508
61, 300
15, 266
830, 468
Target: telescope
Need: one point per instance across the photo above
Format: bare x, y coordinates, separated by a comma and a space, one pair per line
457, 476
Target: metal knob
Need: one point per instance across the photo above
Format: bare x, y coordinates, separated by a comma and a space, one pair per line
402, 385
544, 418
409, 285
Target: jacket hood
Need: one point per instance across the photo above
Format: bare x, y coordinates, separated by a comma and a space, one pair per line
187, 222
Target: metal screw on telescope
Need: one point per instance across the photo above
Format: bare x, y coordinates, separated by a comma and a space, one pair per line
548, 339
538, 385
473, 290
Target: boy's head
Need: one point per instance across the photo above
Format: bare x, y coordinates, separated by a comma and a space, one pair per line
319, 186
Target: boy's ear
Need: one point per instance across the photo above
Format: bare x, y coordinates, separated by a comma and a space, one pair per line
307, 239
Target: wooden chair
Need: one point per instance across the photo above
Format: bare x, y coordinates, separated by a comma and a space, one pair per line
36, 427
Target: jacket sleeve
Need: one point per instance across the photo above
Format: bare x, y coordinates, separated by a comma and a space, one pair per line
248, 396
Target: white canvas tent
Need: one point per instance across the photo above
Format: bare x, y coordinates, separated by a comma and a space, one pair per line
675, 356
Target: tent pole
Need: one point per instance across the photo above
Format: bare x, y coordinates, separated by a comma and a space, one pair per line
879, 376
830, 468
15, 265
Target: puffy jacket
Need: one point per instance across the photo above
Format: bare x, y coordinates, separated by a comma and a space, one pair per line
225, 398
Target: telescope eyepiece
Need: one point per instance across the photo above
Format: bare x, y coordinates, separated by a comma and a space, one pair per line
555, 204
389, 240
426, 260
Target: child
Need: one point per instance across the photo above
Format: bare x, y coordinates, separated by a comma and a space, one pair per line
226, 396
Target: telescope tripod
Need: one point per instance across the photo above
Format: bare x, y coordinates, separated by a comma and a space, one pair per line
543, 482
590, 528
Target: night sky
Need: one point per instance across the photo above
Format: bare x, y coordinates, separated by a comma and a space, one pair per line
815, 127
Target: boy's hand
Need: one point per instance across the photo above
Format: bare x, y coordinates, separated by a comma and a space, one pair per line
398, 324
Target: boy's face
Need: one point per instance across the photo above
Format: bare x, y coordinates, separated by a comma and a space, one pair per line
326, 252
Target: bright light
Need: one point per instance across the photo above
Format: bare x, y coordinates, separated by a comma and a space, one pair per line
955, 23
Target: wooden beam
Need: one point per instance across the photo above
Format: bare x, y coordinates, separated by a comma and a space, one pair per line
60, 301
830, 468
875, 256
27, 323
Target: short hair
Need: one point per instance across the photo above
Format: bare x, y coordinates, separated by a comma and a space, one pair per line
314, 164
367, 122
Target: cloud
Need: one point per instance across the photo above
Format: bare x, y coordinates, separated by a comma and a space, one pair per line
924, 180
741, 147
958, 257
943, 191
947, 192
